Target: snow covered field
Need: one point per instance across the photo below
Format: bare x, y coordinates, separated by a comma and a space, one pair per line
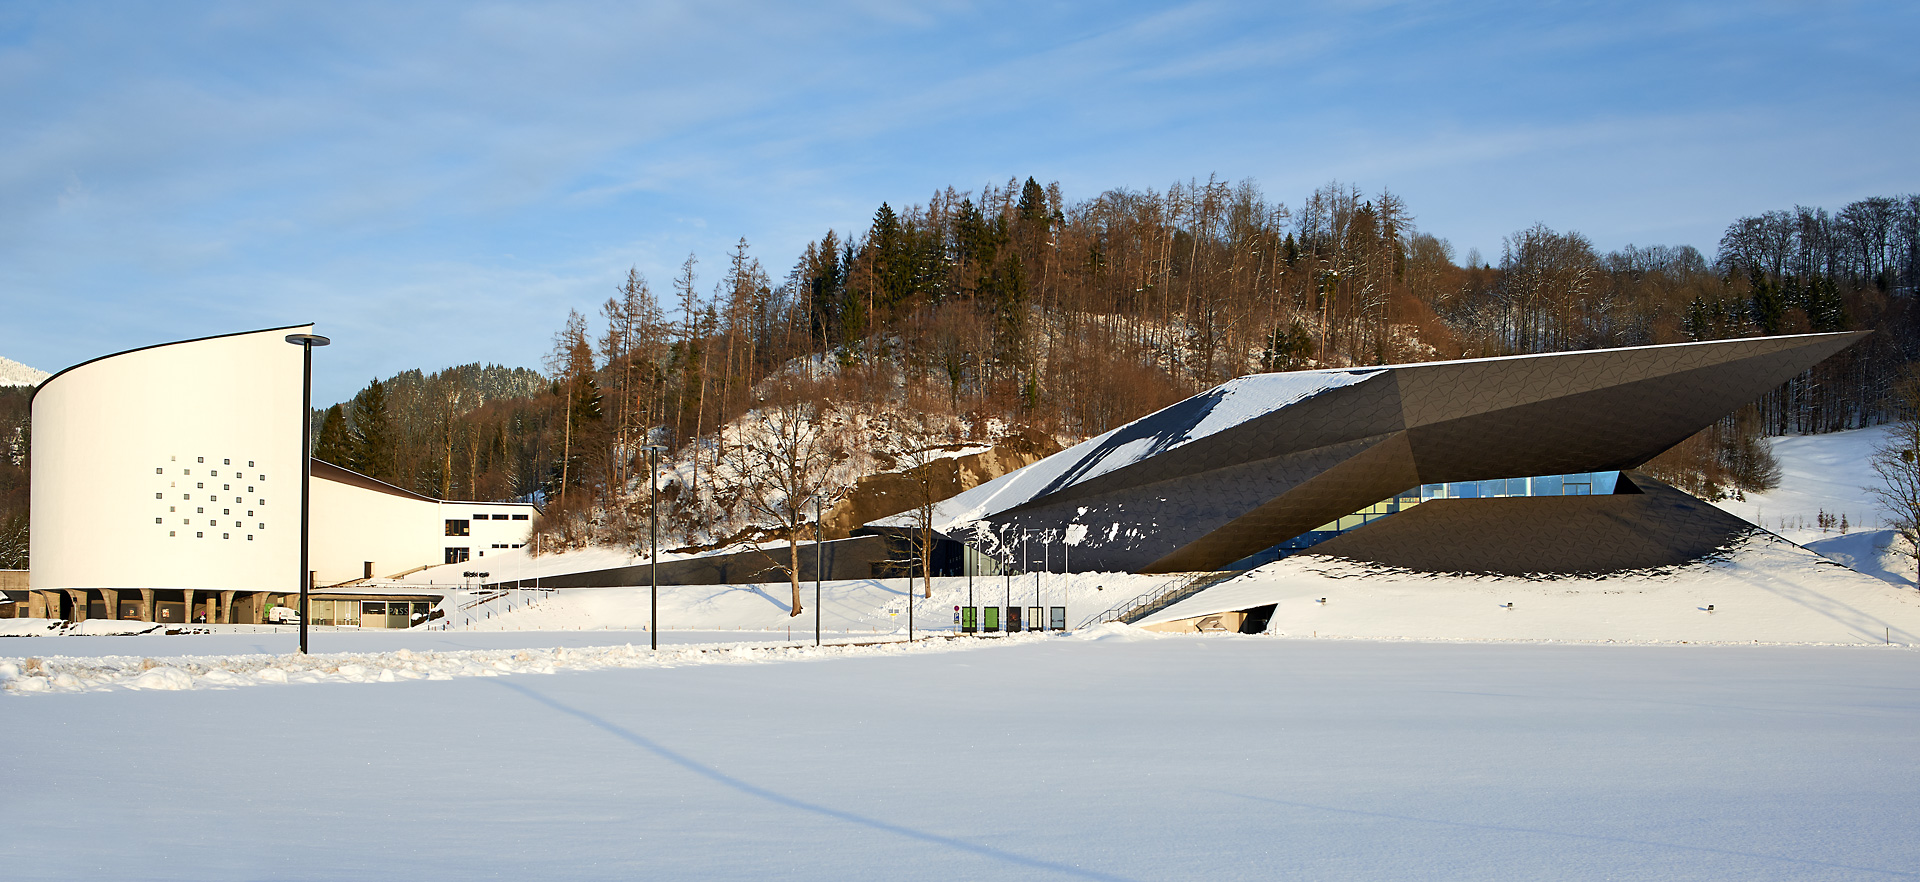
1109, 755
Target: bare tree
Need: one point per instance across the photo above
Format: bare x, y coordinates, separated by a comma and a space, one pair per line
784, 463
1897, 461
918, 439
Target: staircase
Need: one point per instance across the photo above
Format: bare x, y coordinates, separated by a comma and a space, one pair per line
1160, 598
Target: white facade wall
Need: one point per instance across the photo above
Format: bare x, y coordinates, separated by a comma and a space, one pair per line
175, 466
398, 531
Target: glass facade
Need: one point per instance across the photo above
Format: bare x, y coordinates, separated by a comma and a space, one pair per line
1578, 484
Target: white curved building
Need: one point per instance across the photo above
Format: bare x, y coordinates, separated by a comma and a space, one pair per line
166, 487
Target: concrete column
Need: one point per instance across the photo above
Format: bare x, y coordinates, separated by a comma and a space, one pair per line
79, 598
187, 607
37, 604
213, 609
146, 604
226, 607
111, 596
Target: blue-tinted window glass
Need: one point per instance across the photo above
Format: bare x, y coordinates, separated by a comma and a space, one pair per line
1547, 486
1463, 491
1492, 488
1573, 489
1516, 486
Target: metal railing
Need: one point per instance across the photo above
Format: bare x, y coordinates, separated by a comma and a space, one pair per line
1181, 588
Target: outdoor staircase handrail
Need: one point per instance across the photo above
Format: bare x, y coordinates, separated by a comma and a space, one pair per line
1160, 598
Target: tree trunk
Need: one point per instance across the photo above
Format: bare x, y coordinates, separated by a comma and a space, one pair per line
793, 567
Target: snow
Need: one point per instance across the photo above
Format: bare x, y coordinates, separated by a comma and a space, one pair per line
1225, 406
1764, 590
13, 373
1818, 473
1109, 755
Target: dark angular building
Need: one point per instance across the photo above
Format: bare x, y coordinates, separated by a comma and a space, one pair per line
1265, 460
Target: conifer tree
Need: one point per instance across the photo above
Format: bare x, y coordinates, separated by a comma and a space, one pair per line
335, 444
372, 436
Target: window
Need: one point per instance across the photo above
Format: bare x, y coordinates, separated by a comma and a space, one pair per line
249, 489
499, 517
261, 527
261, 501
171, 508
199, 485
214, 473
159, 471
226, 486
186, 496
225, 536
226, 511
186, 471
156, 520
201, 509
199, 459
226, 462
171, 534
519, 517
249, 514
249, 537
213, 523
479, 517
156, 496
199, 535
457, 527
373, 608
249, 463
457, 555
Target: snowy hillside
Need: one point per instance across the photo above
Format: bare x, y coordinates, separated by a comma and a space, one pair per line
1819, 475
13, 373
1823, 502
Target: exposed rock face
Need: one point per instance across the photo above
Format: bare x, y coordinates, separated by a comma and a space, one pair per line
889, 493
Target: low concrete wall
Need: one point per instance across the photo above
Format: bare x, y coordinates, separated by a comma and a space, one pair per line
13, 580
854, 558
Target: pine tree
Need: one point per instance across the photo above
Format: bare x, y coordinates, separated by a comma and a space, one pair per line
335, 444
372, 436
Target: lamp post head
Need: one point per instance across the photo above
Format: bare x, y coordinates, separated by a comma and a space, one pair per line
307, 340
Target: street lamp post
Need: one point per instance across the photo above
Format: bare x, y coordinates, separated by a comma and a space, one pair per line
306, 342
819, 552
653, 544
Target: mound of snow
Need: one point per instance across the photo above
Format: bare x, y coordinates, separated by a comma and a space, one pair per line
1764, 590
1876, 553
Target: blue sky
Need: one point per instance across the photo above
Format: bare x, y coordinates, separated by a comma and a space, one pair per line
438, 184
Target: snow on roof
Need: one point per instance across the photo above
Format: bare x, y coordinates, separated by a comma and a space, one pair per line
1216, 410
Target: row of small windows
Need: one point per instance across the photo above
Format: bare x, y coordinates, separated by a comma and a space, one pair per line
214, 473
463, 527
199, 534
509, 545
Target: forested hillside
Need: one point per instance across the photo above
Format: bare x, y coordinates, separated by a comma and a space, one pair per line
1017, 308
977, 316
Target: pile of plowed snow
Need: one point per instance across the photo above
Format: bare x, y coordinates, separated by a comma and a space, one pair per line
103, 673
